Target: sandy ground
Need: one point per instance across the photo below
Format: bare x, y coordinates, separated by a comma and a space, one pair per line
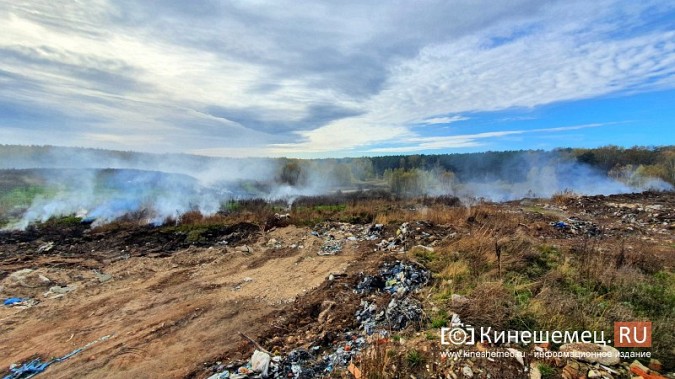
165, 315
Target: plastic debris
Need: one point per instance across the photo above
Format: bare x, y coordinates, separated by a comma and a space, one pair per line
403, 312
260, 362
575, 225
354, 371
36, 366
395, 278
221, 375
46, 247
13, 301
331, 247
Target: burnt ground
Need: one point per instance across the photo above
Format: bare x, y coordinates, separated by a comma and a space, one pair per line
174, 306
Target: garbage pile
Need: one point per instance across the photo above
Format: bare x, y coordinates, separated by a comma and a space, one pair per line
398, 241
335, 234
298, 364
409, 234
331, 247
399, 280
655, 215
575, 225
396, 278
349, 232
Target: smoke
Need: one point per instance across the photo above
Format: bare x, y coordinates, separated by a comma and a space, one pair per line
544, 175
102, 186
536, 174
101, 196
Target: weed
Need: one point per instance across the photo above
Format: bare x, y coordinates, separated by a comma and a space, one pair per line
415, 359
440, 320
423, 255
546, 370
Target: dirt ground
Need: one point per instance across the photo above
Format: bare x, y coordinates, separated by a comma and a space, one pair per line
165, 315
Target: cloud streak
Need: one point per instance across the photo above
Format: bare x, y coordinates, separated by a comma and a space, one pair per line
416, 144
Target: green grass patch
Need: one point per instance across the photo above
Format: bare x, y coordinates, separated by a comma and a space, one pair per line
415, 359
440, 320
654, 297
546, 370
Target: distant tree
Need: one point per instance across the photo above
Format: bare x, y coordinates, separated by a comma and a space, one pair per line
290, 173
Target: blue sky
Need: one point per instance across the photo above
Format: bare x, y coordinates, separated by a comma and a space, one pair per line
337, 78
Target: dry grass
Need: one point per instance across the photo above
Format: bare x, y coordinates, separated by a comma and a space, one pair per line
563, 197
491, 304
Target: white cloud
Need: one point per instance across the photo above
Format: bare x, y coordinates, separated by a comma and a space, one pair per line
324, 78
443, 120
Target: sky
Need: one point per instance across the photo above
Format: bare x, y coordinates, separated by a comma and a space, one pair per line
336, 78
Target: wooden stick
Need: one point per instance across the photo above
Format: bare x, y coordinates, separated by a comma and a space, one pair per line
257, 345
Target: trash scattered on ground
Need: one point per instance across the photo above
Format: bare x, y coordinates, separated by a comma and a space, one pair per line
354, 371
395, 281
46, 247
349, 232
593, 353
58, 291
260, 362
399, 277
102, 277
19, 302
36, 366
244, 249
575, 225
331, 247
13, 301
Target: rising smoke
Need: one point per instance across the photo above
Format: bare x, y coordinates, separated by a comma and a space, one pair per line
102, 186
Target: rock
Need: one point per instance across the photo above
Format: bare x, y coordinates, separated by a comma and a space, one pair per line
44, 279
467, 372
102, 277
20, 275
244, 249
593, 374
272, 242
593, 353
